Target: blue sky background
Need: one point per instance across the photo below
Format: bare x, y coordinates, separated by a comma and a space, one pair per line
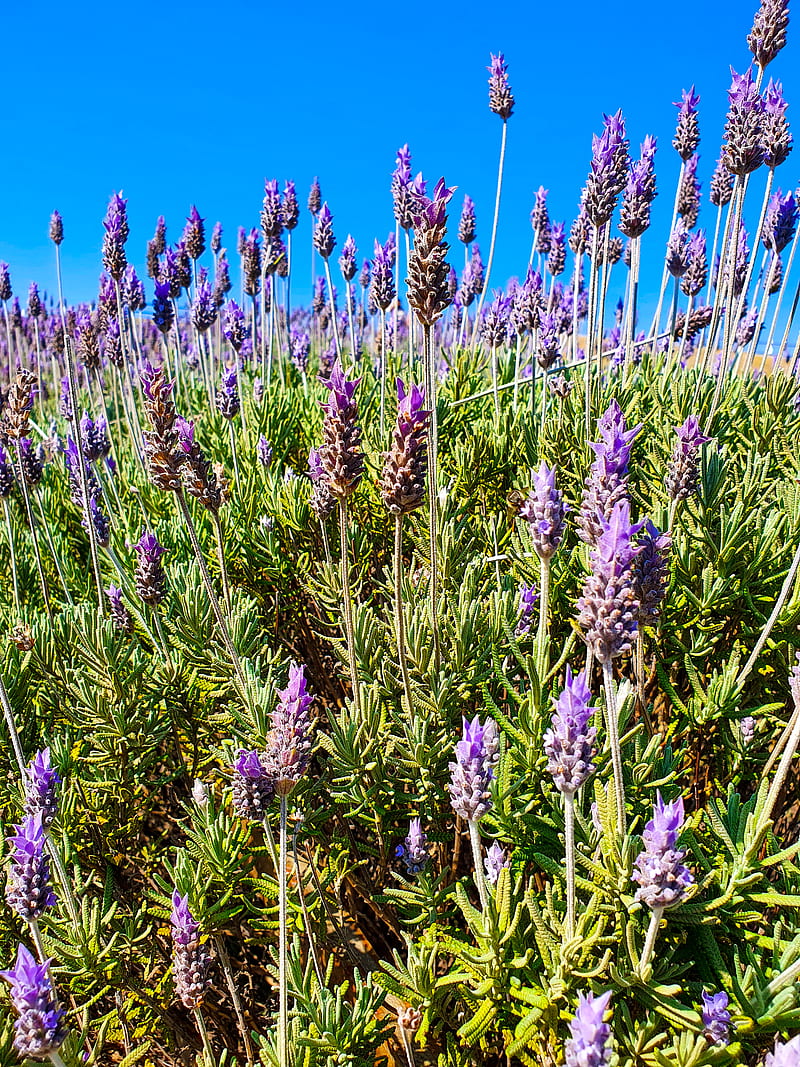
180, 103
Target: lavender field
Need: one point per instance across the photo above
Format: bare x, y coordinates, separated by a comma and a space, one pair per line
413, 677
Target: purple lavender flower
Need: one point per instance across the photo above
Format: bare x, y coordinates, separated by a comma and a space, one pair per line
39, 1028
768, 35
347, 260
466, 224
590, 1041
775, 136
607, 481
264, 451
495, 322
340, 453
314, 197
149, 574
191, 961
471, 774
414, 849
557, 257
289, 743
194, 234
785, 1054
651, 573
747, 730
683, 473
660, 874
41, 779
204, 307
526, 601
716, 1017
780, 221
300, 349
28, 889
381, 285
696, 274
56, 228
120, 616
608, 172
687, 132
253, 788
689, 193
234, 325
540, 221
132, 290
569, 745
743, 151
406, 463
608, 610
323, 238
501, 99
677, 245
227, 398
163, 313
544, 510
115, 236
721, 185
495, 860
290, 209
94, 437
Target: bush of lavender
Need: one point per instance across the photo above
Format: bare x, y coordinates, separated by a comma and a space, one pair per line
410, 678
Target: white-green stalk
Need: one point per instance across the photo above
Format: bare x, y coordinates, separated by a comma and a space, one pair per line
612, 723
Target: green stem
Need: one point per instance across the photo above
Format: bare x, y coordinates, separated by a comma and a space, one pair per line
400, 622
13, 554
283, 992
477, 861
650, 939
569, 849
32, 527
201, 1026
8, 713
612, 722
223, 570
347, 603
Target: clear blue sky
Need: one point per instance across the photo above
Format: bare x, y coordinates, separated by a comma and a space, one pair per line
178, 103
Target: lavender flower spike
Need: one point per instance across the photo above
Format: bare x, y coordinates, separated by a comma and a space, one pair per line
406, 464
28, 890
473, 770
716, 1017
39, 1028
682, 473
253, 788
569, 745
501, 99
40, 788
527, 599
590, 1041
290, 739
660, 874
414, 849
340, 454
545, 510
190, 959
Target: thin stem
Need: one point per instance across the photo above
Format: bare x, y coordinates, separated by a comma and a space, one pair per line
234, 455
223, 570
544, 616
490, 260
612, 722
283, 992
201, 1026
650, 940
477, 861
383, 371
347, 603
334, 323
400, 621
37, 939
8, 713
779, 604
13, 554
569, 847
304, 907
56, 1060
32, 527
433, 486
212, 596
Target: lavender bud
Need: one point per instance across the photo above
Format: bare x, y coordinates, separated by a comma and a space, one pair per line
340, 453
607, 481
696, 274
682, 473
28, 889
768, 35
41, 780
31, 461
39, 1028
743, 150
687, 132
501, 99
557, 258
149, 575
545, 510
428, 291
191, 961
119, 614
264, 452
216, 238
527, 599
406, 464
466, 224
234, 325
540, 221
689, 193
115, 236
381, 285
163, 312
228, 402
677, 245
721, 184
775, 135
204, 307
290, 739
414, 850
569, 745
608, 172
290, 209
56, 228
747, 730
495, 860
472, 771
651, 573
253, 789
251, 263
660, 874
199, 478
716, 1017
322, 500
314, 197
323, 238
347, 260
590, 1041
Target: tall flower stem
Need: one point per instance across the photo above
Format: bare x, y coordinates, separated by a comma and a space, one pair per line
32, 527
64, 882
569, 847
490, 260
400, 621
544, 616
665, 273
13, 555
334, 323
36, 936
433, 489
212, 596
347, 603
477, 860
234, 455
594, 274
223, 570
630, 311
51, 546
8, 713
383, 371
783, 596
56, 1060
283, 991
208, 1052
730, 320
612, 722
650, 939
